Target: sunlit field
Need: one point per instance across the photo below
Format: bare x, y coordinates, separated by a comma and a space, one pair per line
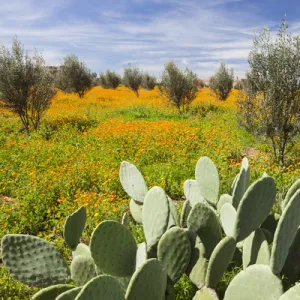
74, 160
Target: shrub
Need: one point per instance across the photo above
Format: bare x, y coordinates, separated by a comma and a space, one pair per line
133, 78
179, 87
110, 80
222, 82
25, 84
74, 76
149, 82
270, 105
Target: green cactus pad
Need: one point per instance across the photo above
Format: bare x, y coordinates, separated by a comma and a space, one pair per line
113, 249
285, 233
136, 211
225, 198
156, 211
228, 218
33, 261
149, 282
173, 214
257, 282
271, 223
197, 267
254, 207
192, 192
81, 249
220, 260
205, 223
292, 190
206, 294
292, 294
268, 235
141, 255
74, 227
174, 252
186, 209
208, 181
125, 220
240, 188
52, 292
256, 249
233, 183
69, 295
101, 287
133, 181
245, 166
82, 269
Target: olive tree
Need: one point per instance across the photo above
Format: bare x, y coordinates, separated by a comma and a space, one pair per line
222, 82
133, 78
26, 85
148, 82
74, 76
270, 105
110, 80
180, 87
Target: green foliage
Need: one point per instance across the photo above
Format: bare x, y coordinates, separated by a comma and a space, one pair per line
110, 80
222, 82
149, 82
73, 76
179, 87
26, 86
133, 79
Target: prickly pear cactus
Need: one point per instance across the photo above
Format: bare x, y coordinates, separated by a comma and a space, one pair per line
83, 269
133, 181
156, 211
192, 192
174, 252
74, 227
149, 282
81, 249
220, 260
125, 220
240, 188
292, 294
52, 292
207, 177
254, 207
101, 287
23, 255
257, 282
225, 198
186, 209
113, 249
141, 255
285, 233
69, 295
292, 190
228, 218
173, 216
206, 294
136, 211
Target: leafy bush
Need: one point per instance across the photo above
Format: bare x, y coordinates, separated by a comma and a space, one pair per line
222, 82
179, 87
25, 84
74, 76
149, 82
133, 79
110, 80
270, 105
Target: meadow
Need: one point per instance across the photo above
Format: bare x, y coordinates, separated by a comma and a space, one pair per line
74, 160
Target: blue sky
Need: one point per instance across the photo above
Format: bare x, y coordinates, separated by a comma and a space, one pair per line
147, 33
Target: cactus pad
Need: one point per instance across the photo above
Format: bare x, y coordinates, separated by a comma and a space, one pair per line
113, 249
292, 294
208, 181
240, 188
220, 260
257, 282
141, 255
82, 269
256, 249
149, 282
285, 233
133, 181
228, 218
174, 252
192, 192
101, 287
69, 295
186, 209
205, 223
74, 227
136, 211
292, 190
33, 261
156, 211
173, 214
125, 220
225, 198
254, 207
206, 294
81, 249
52, 292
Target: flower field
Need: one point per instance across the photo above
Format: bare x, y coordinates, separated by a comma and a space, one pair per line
74, 160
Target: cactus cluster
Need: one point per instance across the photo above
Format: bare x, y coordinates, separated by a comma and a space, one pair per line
201, 242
